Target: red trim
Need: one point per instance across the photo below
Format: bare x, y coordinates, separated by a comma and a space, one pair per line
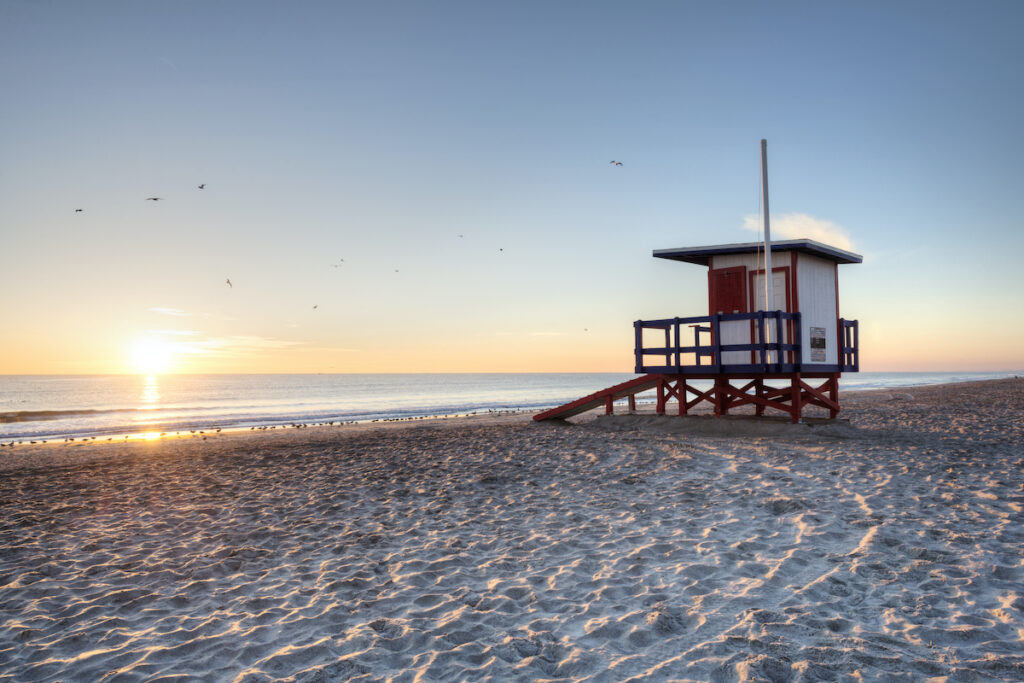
796, 299
839, 327
796, 288
711, 267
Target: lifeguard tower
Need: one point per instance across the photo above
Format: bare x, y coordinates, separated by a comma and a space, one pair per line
745, 345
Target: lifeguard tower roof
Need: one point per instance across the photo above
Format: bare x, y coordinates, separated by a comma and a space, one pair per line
701, 255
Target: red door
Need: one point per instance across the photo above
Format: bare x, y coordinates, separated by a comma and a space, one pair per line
727, 290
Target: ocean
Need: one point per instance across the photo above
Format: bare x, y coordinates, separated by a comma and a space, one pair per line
38, 407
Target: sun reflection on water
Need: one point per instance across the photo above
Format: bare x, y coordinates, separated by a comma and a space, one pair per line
150, 392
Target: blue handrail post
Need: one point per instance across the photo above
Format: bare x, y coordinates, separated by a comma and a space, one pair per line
696, 343
856, 346
679, 342
798, 342
778, 337
668, 345
638, 351
716, 341
762, 346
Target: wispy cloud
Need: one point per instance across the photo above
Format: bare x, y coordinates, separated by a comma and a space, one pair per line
801, 225
169, 311
238, 345
234, 345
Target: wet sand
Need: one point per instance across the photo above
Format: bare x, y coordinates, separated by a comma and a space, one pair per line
887, 546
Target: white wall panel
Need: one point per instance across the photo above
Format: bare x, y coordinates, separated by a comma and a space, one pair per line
816, 290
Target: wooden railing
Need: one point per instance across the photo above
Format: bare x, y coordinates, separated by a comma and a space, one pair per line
783, 354
849, 345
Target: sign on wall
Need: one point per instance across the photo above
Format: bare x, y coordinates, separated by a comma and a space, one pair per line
817, 344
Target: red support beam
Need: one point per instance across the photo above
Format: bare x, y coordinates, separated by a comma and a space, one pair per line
795, 407
833, 394
722, 395
708, 396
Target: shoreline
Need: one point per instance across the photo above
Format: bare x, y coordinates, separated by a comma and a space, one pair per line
850, 401
497, 548
45, 423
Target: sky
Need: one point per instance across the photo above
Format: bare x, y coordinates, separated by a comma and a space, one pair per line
427, 186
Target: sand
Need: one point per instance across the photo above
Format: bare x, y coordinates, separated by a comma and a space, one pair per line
887, 547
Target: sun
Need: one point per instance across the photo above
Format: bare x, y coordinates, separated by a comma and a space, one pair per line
152, 356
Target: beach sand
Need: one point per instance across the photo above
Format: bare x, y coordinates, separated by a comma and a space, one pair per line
887, 546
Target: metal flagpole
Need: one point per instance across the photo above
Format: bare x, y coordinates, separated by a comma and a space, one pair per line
769, 294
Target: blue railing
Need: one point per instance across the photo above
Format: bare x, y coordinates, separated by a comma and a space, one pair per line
784, 354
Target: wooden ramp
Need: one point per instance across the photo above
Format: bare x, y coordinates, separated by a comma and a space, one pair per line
605, 397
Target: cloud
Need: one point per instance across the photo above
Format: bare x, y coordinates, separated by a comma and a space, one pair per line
800, 226
169, 311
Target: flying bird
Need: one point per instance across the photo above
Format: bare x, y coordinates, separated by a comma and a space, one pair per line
228, 281
153, 199
78, 211
314, 306
616, 163
203, 186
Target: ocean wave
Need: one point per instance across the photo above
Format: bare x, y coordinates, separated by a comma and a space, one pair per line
38, 415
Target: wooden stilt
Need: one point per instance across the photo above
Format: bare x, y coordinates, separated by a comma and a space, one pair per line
795, 407
721, 394
833, 394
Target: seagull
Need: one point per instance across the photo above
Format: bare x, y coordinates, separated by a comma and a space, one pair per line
229, 283
616, 163
153, 199
203, 186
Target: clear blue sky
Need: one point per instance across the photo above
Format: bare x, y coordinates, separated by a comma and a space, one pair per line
380, 132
